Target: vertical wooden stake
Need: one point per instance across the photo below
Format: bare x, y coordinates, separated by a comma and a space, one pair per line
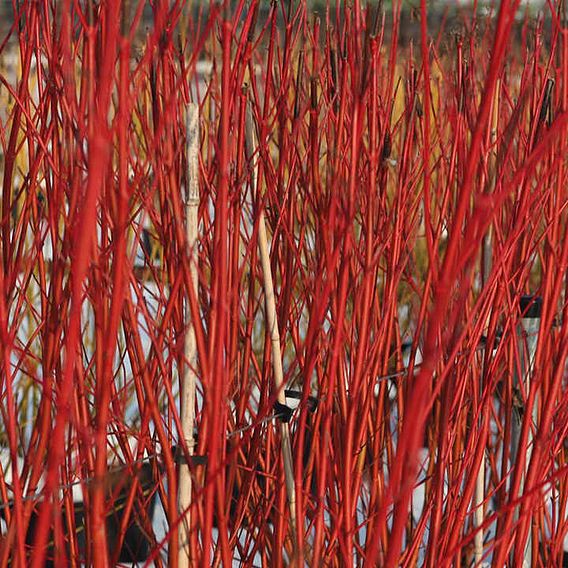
272, 323
527, 340
190, 351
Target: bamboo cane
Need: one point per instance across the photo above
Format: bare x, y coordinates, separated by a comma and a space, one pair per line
527, 340
190, 352
270, 306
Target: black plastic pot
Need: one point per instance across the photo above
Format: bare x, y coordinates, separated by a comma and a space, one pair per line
138, 539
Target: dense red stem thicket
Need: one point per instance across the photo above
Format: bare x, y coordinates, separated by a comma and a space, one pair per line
414, 186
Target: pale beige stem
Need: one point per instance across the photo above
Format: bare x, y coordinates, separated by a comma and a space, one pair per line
190, 350
271, 320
